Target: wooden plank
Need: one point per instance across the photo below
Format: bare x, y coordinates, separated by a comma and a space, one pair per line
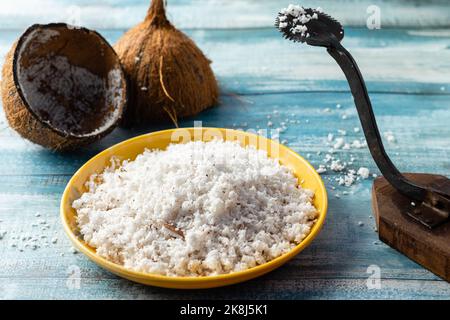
219, 13
425, 133
261, 61
338, 258
33, 288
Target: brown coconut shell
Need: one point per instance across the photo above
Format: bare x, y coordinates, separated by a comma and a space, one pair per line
169, 77
63, 87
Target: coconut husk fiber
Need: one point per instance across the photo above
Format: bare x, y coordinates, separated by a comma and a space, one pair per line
62, 87
169, 76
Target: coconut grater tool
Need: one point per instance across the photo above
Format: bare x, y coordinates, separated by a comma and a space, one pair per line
411, 209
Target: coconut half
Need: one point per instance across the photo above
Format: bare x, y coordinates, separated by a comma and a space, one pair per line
63, 87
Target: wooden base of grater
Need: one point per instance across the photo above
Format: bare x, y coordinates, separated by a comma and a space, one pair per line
430, 248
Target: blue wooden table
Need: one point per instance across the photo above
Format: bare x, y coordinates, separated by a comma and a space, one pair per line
407, 67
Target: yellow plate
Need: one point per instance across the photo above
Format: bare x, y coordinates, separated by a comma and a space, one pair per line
129, 149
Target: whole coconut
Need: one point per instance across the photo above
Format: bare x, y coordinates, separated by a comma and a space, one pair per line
63, 87
169, 76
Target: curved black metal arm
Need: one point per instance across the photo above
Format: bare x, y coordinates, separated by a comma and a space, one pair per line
370, 128
433, 205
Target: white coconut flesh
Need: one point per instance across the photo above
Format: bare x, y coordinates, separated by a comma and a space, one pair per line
70, 79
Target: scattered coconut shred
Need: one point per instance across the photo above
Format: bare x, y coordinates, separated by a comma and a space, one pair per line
195, 209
